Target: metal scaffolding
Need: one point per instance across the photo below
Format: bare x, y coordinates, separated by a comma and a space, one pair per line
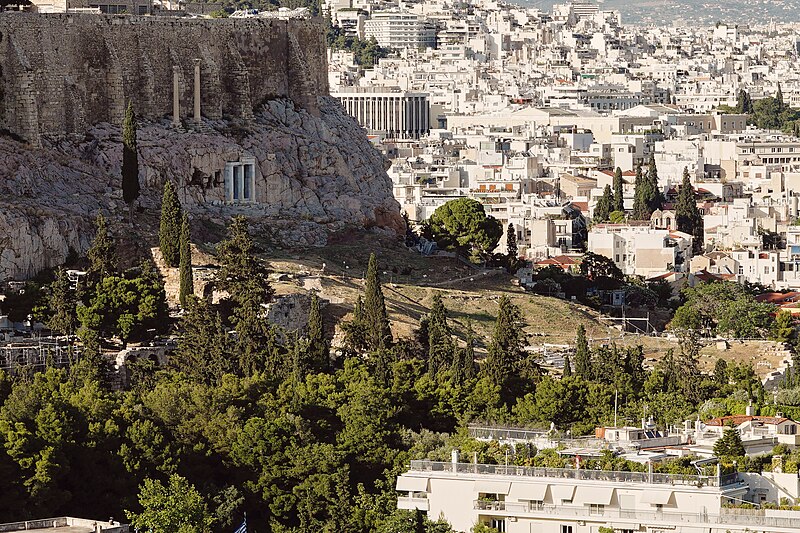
37, 353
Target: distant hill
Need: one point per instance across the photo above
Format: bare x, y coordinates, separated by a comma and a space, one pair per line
679, 12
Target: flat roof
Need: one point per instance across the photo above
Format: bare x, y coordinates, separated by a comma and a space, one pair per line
65, 529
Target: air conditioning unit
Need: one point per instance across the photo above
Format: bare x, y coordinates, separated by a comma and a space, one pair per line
512, 518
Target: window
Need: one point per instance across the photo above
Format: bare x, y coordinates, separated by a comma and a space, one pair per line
499, 524
240, 181
766, 270
741, 271
566, 529
538, 505
596, 509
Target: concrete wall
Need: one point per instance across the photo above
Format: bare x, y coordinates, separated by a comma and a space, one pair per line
61, 73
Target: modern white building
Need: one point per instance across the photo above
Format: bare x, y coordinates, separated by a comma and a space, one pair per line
641, 250
395, 114
397, 30
516, 499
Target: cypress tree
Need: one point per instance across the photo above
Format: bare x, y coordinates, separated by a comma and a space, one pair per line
506, 348
300, 359
779, 98
203, 351
567, 367
641, 194
656, 198
241, 273
169, 231
511, 242
583, 364
469, 352
102, 256
61, 304
358, 310
619, 199
376, 320
317, 345
440, 340
604, 205
130, 158
687, 216
187, 277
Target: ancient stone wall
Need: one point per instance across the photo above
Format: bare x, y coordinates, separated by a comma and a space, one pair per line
63, 73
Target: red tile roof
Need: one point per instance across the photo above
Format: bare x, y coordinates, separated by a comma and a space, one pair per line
778, 298
737, 420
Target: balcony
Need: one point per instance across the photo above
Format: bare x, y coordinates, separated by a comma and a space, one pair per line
577, 474
727, 517
413, 503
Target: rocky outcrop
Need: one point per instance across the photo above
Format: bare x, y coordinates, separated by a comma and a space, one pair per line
314, 173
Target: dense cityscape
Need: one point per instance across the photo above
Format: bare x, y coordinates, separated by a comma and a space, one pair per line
399, 267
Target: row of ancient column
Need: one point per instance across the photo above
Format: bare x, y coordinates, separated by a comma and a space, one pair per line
176, 94
406, 116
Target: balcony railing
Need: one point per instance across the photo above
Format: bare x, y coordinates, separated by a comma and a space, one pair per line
739, 517
413, 502
571, 473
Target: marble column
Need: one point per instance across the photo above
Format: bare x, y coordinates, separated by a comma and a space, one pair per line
176, 96
197, 117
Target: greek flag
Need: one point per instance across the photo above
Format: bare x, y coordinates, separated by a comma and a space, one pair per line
243, 527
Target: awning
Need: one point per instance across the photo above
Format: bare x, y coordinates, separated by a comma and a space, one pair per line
492, 487
594, 495
533, 492
561, 493
656, 497
412, 484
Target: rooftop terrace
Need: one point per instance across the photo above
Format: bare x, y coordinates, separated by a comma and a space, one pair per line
571, 473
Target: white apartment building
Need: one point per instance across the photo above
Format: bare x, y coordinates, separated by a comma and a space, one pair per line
395, 114
397, 30
641, 250
516, 499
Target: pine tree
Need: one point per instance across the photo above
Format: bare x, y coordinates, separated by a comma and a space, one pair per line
187, 277
169, 231
567, 367
687, 216
604, 205
440, 340
376, 320
511, 242
61, 304
318, 350
130, 158
583, 364
619, 199
641, 194
729, 445
102, 256
506, 348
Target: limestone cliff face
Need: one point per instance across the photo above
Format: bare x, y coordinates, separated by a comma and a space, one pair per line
314, 172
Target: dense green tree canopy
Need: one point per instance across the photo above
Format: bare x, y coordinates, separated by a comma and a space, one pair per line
462, 225
723, 308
